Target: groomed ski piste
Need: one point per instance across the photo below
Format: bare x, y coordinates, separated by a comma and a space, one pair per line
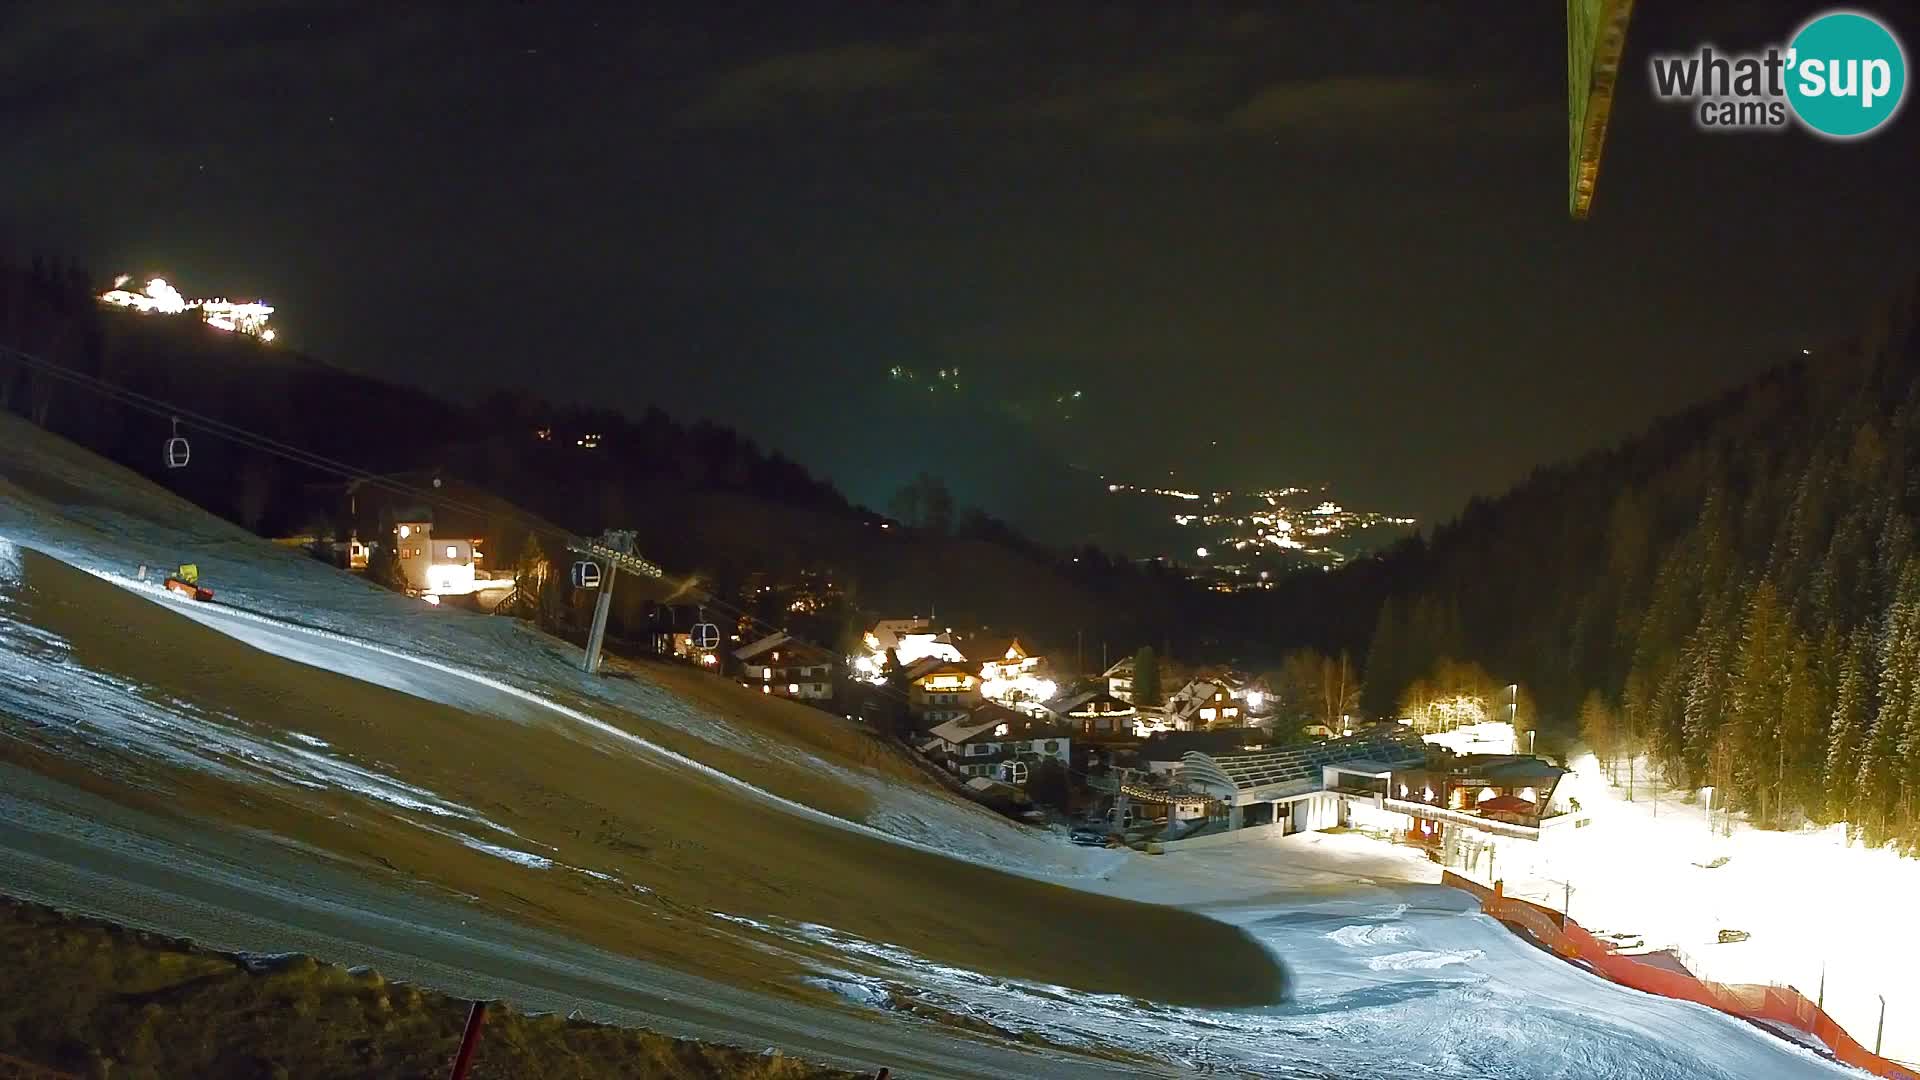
313, 764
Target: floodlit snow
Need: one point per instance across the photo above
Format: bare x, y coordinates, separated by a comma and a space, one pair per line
1489, 737
1419, 960
1392, 978
1360, 937
1811, 903
524, 858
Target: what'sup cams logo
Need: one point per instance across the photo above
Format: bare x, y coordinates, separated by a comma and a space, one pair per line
1843, 75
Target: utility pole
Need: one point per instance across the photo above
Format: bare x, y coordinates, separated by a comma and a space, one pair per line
1881, 1029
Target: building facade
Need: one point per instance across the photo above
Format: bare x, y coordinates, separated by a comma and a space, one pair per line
991, 737
783, 666
941, 690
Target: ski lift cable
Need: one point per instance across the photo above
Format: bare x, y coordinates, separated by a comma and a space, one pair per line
241, 436
265, 444
253, 440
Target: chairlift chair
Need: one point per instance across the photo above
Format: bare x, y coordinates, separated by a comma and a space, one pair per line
178, 452
586, 574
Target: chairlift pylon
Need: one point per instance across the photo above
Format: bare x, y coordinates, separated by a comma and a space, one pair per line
586, 574
177, 451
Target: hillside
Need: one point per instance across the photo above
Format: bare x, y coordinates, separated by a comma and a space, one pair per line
1737, 591
705, 500
312, 749
315, 765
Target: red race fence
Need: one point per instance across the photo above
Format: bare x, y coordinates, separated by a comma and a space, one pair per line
1778, 1004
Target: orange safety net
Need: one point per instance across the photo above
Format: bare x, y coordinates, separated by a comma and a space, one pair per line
1780, 1004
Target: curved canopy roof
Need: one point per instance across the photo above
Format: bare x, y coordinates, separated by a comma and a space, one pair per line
1297, 769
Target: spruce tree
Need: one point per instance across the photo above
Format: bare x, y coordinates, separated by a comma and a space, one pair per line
1146, 677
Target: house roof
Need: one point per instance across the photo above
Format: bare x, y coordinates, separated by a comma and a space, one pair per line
1170, 745
1507, 769
1121, 670
933, 665
981, 724
889, 631
781, 639
1195, 696
1507, 804
1289, 771
756, 647
1227, 678
1064, 706
992, 650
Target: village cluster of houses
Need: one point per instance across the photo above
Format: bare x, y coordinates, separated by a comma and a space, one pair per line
988, 706
1206, 759
994, 712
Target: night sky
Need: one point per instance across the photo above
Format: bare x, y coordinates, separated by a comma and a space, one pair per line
1331, 238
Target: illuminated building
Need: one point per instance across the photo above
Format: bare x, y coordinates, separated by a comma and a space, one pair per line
941, 690
785, 666
160, 298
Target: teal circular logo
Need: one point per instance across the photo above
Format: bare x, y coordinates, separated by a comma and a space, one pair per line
1847, 74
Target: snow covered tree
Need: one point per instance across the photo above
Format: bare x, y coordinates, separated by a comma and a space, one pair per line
1600, 730
1755, 694
1848, 724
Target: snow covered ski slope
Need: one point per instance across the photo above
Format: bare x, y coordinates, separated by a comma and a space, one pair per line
337, 769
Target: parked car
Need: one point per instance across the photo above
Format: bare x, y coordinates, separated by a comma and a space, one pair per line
1088, 835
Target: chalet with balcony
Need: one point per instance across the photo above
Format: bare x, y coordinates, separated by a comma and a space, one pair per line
941, 690
998, 743
1201, 704
781, 665
1098, 716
